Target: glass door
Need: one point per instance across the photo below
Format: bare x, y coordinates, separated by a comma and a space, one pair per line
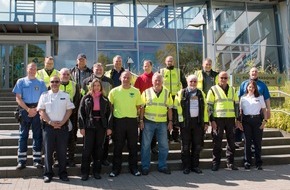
15, 57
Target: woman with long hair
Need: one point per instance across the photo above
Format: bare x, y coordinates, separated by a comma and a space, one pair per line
254, 118
94, 122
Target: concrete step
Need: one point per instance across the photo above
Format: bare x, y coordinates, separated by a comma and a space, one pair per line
8, 120
9, 126
8, 107
8, 98
6, 114
8, 102
29, 171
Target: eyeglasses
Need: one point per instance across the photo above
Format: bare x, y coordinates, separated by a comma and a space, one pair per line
54, 81
224, 78
194, 81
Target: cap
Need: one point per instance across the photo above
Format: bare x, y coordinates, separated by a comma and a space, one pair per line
82, 55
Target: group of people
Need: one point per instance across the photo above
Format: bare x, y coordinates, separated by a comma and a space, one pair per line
161, 106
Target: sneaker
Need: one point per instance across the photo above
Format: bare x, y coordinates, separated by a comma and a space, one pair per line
84, 177
135, 172
186, 171
114, 174
145, 172
215, 167
259, 168
165, 171
247, 166
46, 179
20, 166
232, 167
196, 170
38, 165
97, 176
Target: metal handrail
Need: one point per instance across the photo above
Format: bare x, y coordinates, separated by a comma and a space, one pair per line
283, 111
279, 92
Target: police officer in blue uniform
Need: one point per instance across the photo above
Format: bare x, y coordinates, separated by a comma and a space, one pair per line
28, 90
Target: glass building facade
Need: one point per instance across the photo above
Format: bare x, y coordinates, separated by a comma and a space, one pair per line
234, 34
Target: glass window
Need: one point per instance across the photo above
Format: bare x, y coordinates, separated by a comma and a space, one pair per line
83, 8
43, 17
43, 6
64, 7
64, 19
4, 6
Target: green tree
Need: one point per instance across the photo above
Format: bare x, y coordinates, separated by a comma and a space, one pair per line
190, 57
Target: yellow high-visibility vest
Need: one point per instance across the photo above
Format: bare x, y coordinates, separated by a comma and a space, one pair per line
171, 80
223, 106
70, 88
42, 74
156, 107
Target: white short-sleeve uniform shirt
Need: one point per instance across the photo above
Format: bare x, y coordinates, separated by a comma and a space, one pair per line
55, 104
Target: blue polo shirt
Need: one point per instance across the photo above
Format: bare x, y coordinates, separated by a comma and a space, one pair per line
262, 88
30, 90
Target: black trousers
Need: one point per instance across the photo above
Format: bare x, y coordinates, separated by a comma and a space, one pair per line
227, 125
93, 147
191, 145
55, 140
253, 134
72, 138
125, 129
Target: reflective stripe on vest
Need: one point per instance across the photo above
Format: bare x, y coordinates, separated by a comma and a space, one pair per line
42, 74
174, 85
70, 89
223, 105
156, 111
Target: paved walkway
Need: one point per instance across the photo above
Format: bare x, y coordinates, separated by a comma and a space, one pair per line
272, 177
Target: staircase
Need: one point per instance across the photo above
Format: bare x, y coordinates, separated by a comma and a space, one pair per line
275, 150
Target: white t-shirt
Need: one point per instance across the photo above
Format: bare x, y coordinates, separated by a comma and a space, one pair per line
55, 104
193, 107
252, 105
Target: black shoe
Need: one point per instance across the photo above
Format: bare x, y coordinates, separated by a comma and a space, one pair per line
64, 178
247, 166
186, 171
71, 163
97, 176
135, 172
20, 166
165, 171
232, 167
114, 174
259, 168
145, 172
196, 170
105, 163
215, 167
84, 177
46, 179
38, 165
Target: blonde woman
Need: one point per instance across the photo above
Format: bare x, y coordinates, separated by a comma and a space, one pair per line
94, 123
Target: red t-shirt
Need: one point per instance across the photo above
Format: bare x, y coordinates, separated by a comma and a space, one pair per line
144, 81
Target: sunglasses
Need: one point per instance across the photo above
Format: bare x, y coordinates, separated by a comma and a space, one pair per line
224, 78
54, 81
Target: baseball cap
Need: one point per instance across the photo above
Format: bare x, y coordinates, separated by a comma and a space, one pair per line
81, 55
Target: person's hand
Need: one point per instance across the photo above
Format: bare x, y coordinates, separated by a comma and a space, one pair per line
268, 111
141, 124
205, 127
239, 125
170, 126
83, 132
263, 124
31, 112
109, 132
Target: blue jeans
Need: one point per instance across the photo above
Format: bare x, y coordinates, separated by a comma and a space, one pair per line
150, 127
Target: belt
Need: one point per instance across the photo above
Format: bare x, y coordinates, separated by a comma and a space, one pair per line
32, 105
252, 116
